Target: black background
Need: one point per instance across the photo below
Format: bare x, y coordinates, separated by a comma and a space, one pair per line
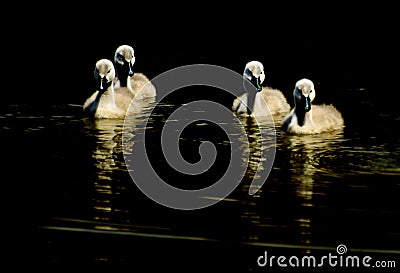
53, 49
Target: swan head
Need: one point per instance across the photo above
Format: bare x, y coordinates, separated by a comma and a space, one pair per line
124, 58
104, 73
254, 72
304, 94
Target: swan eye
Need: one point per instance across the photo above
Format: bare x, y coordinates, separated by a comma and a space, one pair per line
120, 57
108, 72
248, 73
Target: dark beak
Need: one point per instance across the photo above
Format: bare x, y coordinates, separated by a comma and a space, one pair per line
307, 106
103, 84
256, 82
130, 69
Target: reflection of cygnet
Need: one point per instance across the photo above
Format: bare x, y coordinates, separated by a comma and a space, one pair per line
306, 118
264, 102
124, 59
106, 102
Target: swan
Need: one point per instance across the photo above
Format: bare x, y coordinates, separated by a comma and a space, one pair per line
106, 102
124, 59
306, 118
266, 101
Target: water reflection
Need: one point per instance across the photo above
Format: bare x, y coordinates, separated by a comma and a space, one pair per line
111, 181
107, 162
307, 155
322, 189
282, 211
260, 137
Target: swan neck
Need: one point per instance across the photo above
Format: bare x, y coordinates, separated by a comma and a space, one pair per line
109, 94
302, 115
122, 75
251, 99
123, 81
128, 83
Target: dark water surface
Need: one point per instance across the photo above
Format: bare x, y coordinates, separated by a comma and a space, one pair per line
77, 204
